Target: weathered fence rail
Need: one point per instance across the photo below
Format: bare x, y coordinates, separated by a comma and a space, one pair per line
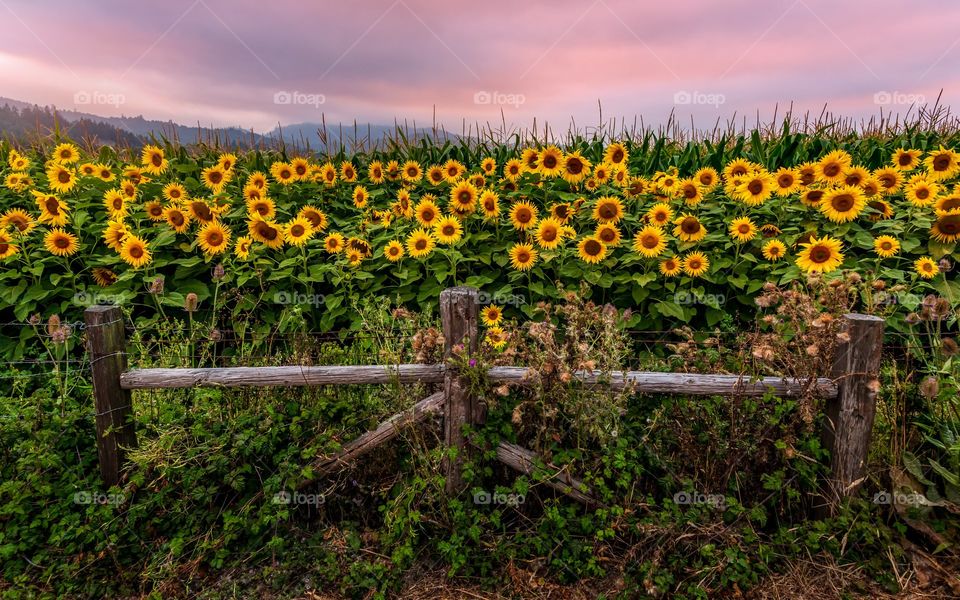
850, 395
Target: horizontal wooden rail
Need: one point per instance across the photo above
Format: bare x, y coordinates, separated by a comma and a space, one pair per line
144, 379
642, 381
529, 463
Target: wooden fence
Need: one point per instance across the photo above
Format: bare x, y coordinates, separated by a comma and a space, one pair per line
850, 395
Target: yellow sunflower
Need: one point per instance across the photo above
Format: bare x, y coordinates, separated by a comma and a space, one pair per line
737, 168
926, 267
550, 161
463, 197
616, 154
743, 229
591, 250
946, 229
650, 241
61, 243
707, 177
513, 169
490, 203
522, 257
114, 234
855, 175
948, 205
435, 175
786, 181
660, 214
227, 160
242, 247
821, 255
529, 156
843, 204
696, 264
298, 231
608, 233
54, 211
375, 172
392, 171
890, 180
393, 251
115, 203
886, 246
488, 165
774, 250
214, 238
7, 247
348, 172
689, 228
491, 315
215, 177
334, 243
175, 192
575, 168
135, 252
549, 234
831, 167
942, 164
201, 211
360, 196
448, 230
905, 160
411, 171
608, 209
523, 216
427, 212
690, 191
317, 218
153, 160
105, 173
60, 178
66, 154
301, 168
756, 188
420, 243
177, 218
104, 277
18, 220
671, 267
920, 192
261, 207
266, 232
453, 170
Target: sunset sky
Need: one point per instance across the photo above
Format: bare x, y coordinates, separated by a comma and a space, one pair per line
255, 64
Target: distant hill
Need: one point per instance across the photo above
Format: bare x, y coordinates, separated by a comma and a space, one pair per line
23, 121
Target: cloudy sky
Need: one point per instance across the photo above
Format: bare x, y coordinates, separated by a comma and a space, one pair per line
256, 64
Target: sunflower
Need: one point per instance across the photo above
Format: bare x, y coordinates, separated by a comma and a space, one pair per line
756, 188
920, 192
393, 251
549, 234
134, 174
215, 177
496, 338
889, 178
463, 197
7, 248
262, 207
491, 315
601, 174
448, 230
22, 163
688, 228
948, 205
668, 185
411, 171
301, 168
154, 211
104, 277
153, 160
175, 192
671, 267
327, 174
488, 165
52, 210
354, 257
227, 160
334, 243
550, 161
128, 189
201, 211
490, 203
241, 249
774, 250
177, 218
608, 234
690, 191
886, 246
116, 204
266, 232
298, 231
591, 250
880, 210
650, 241
562, 212
392, 171
522, 257
831, 167
60, 178
843, 204
905, 160
66, 154
738, 168
942, 164
608, 209
870, 186
135, 252
360, 196
420, 243
575, 168
453, 170
854, 175
820, 255
529, 156
114, 234
214, 238
926, 268
696, 264
660, 214
402, 207
17, 219
60, 243
946, 229
317, 218
786, 181
743, 229
707, 177
348, 172
616, 154
104, 172
523, 216
427, 212
769, 230
513, 169
375, 172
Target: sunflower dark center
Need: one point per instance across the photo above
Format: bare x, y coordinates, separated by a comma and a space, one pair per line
941, 162
820, 254
690, 192
524, 215
176, 218
755, 187
550, 161
843, 202
217, 177
421, 244
785, 180
215, 238
297, 230
574, 166
157, 160
63, 176
617, 155
592, 248
649, 241
904, 159
62, 242
832, 169
690, 225
949, 225
548, 234
52, 205
608, 210
923, 193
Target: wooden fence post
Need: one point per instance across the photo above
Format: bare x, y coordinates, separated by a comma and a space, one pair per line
458, 313
849, 416
106, 344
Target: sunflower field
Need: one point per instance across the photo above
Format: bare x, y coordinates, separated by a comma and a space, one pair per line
680, 232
